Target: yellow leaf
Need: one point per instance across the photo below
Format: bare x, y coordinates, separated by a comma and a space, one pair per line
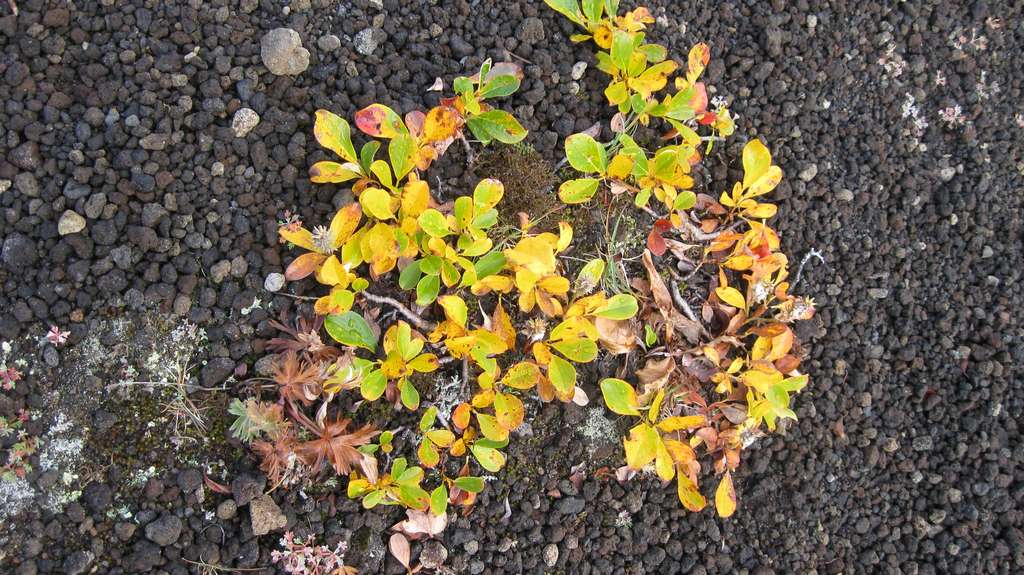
555, 285
533, 253
620, 166
455, 309
641, 446
377, 203
442, 123
670, 424
761, 211
663, 463
725, 496
300, 237
766, 182
503, 326
415, 198
523, 375
688, 493
756, 161
344, 223
564, 236
731, 296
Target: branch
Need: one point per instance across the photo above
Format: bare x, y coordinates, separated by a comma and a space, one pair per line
410, 315
14, 6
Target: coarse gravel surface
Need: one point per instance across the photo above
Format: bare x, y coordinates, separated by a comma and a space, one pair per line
147, 153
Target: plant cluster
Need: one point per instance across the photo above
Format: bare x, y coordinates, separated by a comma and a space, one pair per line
712, 380
307, 558
17, 443
499, 301
442, 253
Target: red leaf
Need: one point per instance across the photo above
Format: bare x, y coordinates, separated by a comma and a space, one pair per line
215, 487
656, 243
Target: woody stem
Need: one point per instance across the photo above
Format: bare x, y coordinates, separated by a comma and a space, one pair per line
410, 315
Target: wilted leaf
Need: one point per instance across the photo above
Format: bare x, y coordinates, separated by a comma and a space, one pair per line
617, 336
399, 547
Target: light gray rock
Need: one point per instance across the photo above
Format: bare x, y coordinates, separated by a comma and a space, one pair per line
266, 516
282, 52
274, 282
70, 223
244, 121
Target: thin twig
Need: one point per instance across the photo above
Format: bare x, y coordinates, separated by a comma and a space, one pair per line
408, 313
813, 254
465, 372
298, 297
470, 155
681, 303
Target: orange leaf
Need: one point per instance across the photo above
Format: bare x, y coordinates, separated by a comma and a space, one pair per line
303, 265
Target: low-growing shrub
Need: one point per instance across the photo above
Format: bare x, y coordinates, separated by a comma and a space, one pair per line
719, 362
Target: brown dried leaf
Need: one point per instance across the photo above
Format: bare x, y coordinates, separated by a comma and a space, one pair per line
617, 336
421, 523
655, 375
336, 446
398, 545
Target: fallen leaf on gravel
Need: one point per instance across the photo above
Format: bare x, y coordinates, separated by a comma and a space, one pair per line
421, 523
399, 547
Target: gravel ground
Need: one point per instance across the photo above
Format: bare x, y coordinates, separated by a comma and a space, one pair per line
146, 152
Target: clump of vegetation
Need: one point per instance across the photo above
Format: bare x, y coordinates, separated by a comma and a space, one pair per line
712, 380
17, 445
505, 314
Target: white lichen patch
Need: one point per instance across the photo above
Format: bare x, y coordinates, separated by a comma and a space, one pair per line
597, 429
15, 496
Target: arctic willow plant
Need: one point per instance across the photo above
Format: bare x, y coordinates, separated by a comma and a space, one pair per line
399, 237
712, 380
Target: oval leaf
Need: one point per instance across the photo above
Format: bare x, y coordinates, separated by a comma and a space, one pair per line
725, 496
620, 306
585, 154
350, 328
578, 191
619, 396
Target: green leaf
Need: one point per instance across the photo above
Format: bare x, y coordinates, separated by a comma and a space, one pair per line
487, 194
489, 458
410, 275
568, 8
410, 397
427, 289
619, 396
427, 421
373, 385
578, 191
470, 484
562, 375
586, 154
499, 86
579, 350
650, 336
351, 329
621, 306
434, 223
367, 153
622, 49
685, 200
590, 275
496, 125
439, 500
489, 264
592, 9
400, 150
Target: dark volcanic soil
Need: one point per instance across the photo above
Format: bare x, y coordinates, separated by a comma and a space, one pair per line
907, 457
